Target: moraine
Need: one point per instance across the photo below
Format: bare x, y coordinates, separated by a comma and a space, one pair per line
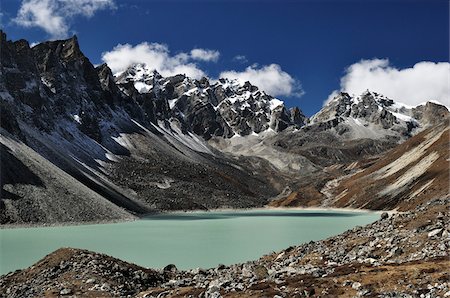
188, 240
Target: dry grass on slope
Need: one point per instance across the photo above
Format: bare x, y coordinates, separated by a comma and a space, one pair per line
403, 178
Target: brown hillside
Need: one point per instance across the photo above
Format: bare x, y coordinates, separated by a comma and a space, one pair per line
405, 177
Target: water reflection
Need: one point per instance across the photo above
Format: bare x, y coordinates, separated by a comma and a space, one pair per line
224, 215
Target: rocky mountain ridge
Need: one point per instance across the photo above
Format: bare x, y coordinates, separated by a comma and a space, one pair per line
223, 108
138, 142
371, 113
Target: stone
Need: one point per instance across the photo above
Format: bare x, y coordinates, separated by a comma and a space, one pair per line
105, 287
384, 215
347, 283
170, 268
261, 272
434, 232
65, 292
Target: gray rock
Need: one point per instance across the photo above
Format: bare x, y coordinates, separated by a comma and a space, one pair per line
105, 287
356, 285
260, 272
435, 232
170, 268
65, 291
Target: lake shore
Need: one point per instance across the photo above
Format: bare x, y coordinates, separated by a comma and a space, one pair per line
401, 255
64, 224
231, 237
264, 208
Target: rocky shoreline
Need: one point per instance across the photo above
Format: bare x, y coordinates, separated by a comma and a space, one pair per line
400, 255
63, 224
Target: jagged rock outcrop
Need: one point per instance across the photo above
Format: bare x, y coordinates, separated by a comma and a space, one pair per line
430, 114
209, 109
371, 113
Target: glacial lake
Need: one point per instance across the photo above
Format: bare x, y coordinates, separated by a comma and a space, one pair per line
188, 240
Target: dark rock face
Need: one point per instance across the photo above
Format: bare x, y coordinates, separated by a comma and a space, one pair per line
430, 114
297, 117
220, 109
372, 108
13, 171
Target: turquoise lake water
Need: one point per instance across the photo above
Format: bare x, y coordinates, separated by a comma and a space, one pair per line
188, 240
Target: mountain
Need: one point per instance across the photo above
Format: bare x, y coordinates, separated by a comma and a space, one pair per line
348, 134
372, 115
409, 175
91, 145
223, 108
91, 152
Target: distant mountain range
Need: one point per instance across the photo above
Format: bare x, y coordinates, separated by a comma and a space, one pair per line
79, 143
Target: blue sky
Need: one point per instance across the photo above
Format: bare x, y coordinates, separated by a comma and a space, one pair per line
311, 43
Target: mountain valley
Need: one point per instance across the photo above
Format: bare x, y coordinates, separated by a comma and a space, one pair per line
82, 145
137, 143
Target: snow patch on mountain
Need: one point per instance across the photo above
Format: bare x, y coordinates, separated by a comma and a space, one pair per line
225, 104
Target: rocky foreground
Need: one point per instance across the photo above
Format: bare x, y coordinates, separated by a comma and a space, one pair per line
400, 255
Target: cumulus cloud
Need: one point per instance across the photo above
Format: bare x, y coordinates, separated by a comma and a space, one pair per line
55, 16
157, 56
205, 55
270, 78
412, 86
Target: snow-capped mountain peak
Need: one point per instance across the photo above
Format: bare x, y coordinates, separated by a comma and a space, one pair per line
375, 113
140, 75
223, 107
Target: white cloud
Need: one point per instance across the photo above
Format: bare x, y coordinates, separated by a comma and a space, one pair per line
205, 55
156, 56
54, 16
270, 78
412, 86
240, 58
85, 8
